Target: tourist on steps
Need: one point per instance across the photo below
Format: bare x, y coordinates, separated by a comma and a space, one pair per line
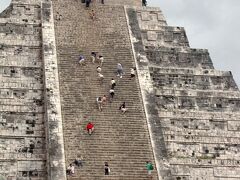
113, 83
132, 72
99, 69
79, 161
100, 58
70, 170
119, 70
104, 99
90, 128
93, 56
106, 168
81, 60
149, 167
92, 15
100, 77
99, 103
144, 2
123, 107
111, 94
88, 3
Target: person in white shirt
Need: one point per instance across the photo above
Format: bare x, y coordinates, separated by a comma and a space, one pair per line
113, 83
99, 103
101, 77
70, 170
119, 70
101, 60
99, 69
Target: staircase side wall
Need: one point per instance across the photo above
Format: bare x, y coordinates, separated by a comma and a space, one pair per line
53, 115
147, 88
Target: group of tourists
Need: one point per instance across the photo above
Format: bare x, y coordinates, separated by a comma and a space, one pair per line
102, 100
71, 168
79, 163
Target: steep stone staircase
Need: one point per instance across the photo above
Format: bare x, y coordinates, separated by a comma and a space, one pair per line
121, 140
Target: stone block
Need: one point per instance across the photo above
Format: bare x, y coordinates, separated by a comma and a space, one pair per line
152, 36
230, 172
145, 16
233, 125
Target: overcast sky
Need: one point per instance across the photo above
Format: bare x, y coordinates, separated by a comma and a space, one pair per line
210, 24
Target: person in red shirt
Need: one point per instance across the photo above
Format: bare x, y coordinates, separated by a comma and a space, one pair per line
90, 128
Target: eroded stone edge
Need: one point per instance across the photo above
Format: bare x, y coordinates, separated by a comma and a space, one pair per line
54, 128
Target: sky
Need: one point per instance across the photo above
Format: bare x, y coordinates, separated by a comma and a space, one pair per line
209, 24
4, 4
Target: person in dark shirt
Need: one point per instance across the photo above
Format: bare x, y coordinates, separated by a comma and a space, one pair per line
88, 3
144, 2
106, 168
